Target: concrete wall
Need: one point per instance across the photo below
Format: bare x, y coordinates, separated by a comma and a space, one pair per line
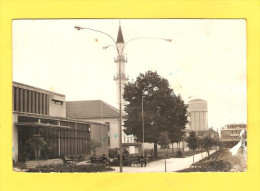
113, 132
178, 146
57, 109
15, 138
100, 133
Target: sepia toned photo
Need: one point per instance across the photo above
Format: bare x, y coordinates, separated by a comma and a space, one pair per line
129, 95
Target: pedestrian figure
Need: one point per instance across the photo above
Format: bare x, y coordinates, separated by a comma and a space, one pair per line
104, 160
92, 158
142, 161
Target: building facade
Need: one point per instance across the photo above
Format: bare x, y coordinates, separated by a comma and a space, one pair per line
100, 112
230, 133
38, 111
208, 133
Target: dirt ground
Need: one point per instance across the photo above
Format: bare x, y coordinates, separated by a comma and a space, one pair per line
237, 161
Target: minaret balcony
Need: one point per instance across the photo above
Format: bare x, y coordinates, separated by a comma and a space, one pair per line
123, 77
120, 58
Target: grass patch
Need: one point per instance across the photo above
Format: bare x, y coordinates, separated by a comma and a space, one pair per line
220, 161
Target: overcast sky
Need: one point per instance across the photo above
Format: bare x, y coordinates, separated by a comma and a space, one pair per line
206, 59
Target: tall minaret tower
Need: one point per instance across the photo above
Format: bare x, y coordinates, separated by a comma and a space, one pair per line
120, 60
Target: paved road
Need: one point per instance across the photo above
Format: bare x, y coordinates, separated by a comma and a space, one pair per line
172, 165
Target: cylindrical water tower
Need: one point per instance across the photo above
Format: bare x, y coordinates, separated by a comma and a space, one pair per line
198, 114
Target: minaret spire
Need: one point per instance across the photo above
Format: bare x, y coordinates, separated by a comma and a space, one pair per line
120, 65
120, 38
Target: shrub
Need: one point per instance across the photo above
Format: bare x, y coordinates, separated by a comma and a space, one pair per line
70, 167
218, 166
179, 154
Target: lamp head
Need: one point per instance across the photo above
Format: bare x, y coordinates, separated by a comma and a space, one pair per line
168, 39
77, 28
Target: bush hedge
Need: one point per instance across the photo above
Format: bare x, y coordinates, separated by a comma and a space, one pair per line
179, 154
70, 167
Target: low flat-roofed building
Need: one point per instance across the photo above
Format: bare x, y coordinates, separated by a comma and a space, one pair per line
101, 112
39, 111
230, 133
208, 133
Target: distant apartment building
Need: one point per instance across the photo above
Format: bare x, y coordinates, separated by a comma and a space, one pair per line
230, 133
39, 111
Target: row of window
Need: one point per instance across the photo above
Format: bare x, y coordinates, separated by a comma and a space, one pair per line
59, 141
229, 137
30, 101
231, 132
235, 126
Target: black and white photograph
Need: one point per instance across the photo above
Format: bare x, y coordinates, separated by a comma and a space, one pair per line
129, 95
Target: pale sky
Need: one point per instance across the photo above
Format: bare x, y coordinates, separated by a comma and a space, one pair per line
206, 59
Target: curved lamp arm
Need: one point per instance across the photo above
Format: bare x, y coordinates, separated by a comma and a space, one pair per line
105, 47
137, 38
83, 28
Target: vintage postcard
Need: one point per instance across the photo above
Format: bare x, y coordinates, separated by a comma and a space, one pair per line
129, 95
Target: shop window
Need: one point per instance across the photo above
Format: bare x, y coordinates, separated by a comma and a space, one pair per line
26, 119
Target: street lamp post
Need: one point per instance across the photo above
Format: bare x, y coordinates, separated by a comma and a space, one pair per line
143, 120
120, 57
165, 163
120, 111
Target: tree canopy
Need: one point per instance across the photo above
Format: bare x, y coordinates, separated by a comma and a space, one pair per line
37, 141
207, 143
192, 141
163, 110
93, 145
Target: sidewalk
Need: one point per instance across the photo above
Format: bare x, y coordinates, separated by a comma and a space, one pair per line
172, 165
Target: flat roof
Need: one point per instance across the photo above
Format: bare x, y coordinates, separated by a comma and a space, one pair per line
36, 88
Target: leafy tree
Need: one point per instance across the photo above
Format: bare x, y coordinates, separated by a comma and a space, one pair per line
163, 110
177, 133
93, 145
192, 141
199, 146
164, 140
176, 137
218, 143
208, 143
37, 142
